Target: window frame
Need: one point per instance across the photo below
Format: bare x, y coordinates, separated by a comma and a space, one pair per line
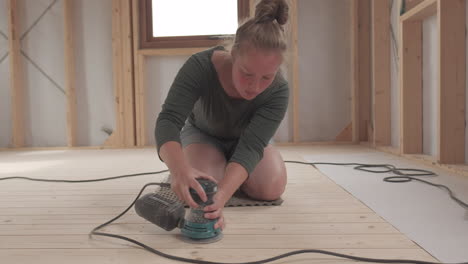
148, 41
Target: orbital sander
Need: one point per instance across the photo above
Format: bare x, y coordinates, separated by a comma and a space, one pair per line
169, 213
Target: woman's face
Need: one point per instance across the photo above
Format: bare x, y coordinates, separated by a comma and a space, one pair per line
254, 70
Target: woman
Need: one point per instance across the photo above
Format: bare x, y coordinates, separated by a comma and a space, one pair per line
223, 109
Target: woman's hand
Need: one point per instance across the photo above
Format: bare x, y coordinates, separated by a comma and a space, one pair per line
215, 210
183, 180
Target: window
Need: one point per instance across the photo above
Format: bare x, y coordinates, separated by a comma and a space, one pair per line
174, 24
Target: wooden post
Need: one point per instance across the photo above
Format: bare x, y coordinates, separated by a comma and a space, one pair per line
128, 83
381, 72
117, 73
421, 11
16, 77
139, 67
123, 72
140, 97
364, 27
355, 69
252, 4
70, 73
452, 78
294, 69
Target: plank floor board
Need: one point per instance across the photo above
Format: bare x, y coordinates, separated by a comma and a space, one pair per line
132, 255
239, 218
168, 240
49, 222
234, 228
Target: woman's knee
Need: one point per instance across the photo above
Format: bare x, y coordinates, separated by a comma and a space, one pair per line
206, 158
268, 180
266, 192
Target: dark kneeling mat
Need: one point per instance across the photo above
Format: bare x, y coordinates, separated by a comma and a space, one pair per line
238, 199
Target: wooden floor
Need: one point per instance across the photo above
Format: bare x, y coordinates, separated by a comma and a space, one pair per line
49, 222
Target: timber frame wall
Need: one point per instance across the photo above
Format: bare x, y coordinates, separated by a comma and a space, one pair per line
451, 19
129, 76
369, 19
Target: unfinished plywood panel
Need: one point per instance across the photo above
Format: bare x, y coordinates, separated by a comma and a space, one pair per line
346, 134
70, 84
451, 20
16, 76
381, 72
49, 223
411, 87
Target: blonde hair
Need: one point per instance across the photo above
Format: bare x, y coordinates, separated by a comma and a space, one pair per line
265, 31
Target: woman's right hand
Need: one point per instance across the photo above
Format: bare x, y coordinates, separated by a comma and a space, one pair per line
183, 180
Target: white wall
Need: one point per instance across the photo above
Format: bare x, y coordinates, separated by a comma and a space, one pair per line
45, 120
95, 89
430, 86
160, 72
44, 74
5, 113
324, 68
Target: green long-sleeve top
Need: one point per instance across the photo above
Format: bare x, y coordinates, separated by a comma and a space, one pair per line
197, 94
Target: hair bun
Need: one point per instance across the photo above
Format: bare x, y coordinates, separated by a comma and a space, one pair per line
270, 10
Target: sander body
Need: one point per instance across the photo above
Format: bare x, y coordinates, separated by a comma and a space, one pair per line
170, 214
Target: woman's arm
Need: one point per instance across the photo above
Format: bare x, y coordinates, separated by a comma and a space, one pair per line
184, 92
183, 176
235, 174
261, 128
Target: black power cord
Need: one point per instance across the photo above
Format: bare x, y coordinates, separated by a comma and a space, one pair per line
404, 176
83, 181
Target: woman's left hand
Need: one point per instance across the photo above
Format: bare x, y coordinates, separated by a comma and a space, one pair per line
215, 210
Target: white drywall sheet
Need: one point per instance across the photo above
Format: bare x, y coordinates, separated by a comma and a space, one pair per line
422, 212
